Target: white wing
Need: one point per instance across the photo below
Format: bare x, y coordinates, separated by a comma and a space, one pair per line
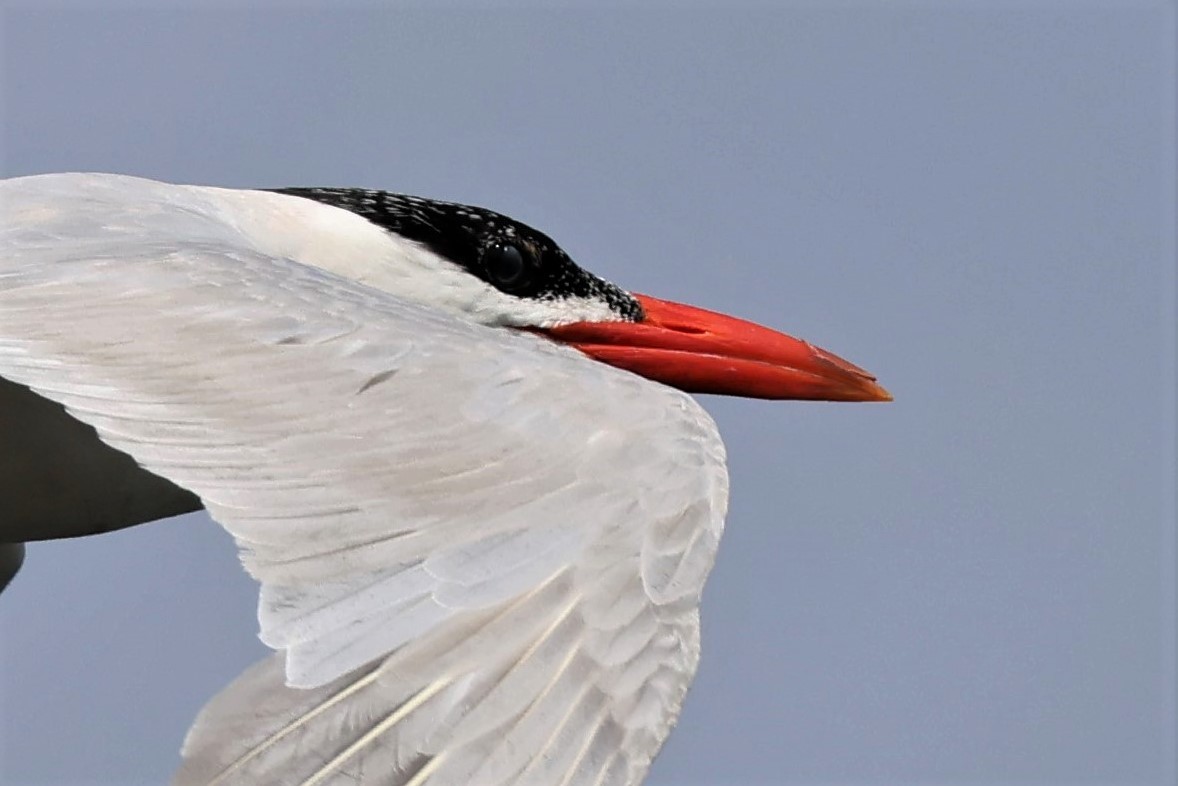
481, 553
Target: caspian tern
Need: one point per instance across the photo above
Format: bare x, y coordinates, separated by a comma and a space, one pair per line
464, 470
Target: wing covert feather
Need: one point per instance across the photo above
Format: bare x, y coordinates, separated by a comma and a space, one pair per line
481, 552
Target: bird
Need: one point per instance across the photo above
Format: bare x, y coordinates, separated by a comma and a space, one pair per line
468, 474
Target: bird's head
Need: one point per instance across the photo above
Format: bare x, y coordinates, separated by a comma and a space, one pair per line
497, 271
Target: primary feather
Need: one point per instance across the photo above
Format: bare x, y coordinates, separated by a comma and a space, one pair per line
480, 553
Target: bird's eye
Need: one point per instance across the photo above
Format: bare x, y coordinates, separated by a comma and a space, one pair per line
508, 266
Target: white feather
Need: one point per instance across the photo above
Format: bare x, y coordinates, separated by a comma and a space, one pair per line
480, 552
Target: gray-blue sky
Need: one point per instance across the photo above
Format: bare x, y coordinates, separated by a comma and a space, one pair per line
975, 201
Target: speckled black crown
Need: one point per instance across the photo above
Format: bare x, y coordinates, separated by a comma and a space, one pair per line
463, 233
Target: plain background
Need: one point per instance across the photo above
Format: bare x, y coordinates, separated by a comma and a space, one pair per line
974, 584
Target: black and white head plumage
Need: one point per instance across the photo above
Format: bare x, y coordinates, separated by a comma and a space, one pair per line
511, 256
